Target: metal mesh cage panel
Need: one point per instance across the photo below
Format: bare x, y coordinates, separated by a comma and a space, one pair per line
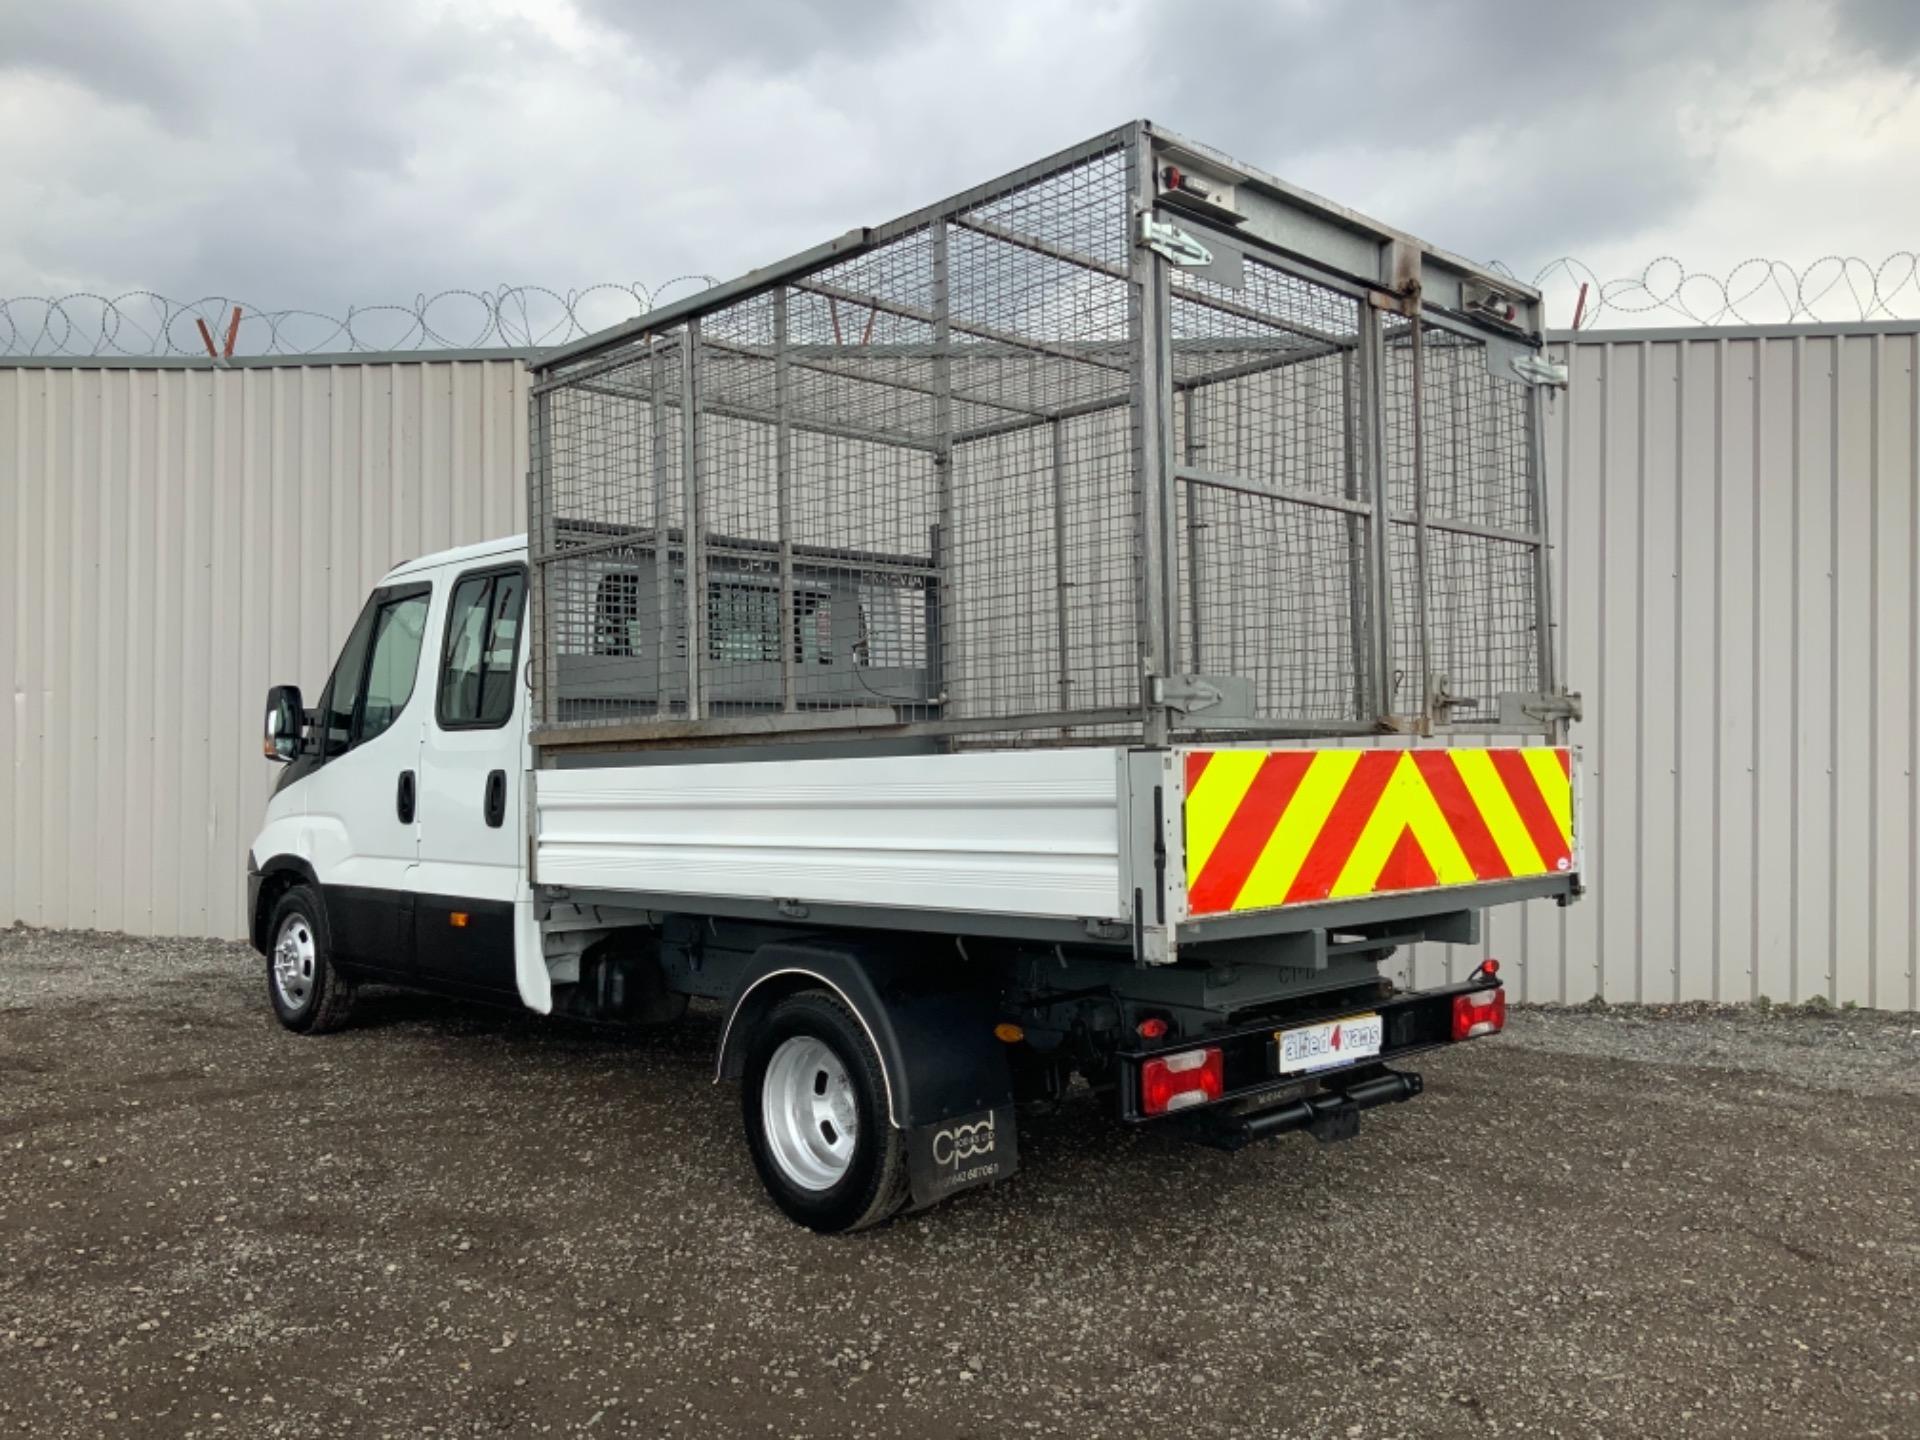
913, 485
1471, 629
1274, 516
994, 468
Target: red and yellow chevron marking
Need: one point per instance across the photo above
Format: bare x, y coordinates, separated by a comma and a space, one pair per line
1276, 827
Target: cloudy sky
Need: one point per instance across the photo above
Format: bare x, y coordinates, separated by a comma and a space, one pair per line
359, 151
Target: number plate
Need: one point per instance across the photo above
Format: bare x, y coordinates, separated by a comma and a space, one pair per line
1330, 1043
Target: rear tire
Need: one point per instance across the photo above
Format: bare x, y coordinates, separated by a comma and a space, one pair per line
309, 996
814, 1099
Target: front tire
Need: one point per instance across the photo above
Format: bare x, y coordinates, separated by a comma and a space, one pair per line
814, 1100
309, 995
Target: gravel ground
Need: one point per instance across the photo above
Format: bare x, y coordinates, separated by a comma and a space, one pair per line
449, 1221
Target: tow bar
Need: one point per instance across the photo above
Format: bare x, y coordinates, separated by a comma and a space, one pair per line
1332, 1116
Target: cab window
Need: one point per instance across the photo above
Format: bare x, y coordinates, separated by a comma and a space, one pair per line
335, 725
373, 679
398, 630
483, 643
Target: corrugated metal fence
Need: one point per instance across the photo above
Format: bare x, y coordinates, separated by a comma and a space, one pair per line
1737, 542
176, 539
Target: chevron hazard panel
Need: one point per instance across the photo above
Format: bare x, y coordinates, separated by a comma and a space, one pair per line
1278, 827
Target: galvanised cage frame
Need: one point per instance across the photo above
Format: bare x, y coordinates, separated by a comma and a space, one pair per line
1131, 445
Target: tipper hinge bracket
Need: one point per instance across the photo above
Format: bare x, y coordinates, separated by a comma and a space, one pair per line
1522, 711
1214, 697
1538, 370
1169, 240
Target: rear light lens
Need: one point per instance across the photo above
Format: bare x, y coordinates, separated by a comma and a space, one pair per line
1480, 1012
1173, 1082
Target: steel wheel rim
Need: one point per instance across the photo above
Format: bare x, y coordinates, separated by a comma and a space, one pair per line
294, 960
810, 1113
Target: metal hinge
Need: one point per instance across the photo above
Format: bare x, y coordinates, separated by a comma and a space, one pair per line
1186, 692
1229, 695
1164, 238
1446, 702
1537, 371
1522, 711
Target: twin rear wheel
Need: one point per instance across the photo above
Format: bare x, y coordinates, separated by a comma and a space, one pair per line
814, 1100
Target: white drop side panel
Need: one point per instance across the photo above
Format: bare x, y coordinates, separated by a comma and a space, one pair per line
1005, 832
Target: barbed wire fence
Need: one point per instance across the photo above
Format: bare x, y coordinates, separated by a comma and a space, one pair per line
1836, 288
143, 325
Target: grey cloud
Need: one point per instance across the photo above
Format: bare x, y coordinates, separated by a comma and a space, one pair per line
121, 52
336, 81
1417, 71
1574, 109
367, 150
1889, 29
768, 35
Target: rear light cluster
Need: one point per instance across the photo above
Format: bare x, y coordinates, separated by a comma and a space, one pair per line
1480, 1012
1173, 1082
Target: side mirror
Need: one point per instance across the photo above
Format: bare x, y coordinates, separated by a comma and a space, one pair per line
281, 741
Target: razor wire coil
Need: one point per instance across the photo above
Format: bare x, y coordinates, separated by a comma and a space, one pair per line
1759, 291
142, 324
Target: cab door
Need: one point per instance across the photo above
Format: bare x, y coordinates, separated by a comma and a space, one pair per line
472, 837
362, 823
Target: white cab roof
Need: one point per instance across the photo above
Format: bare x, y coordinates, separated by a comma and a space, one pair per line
508, 547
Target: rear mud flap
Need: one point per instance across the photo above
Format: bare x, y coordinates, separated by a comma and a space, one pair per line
957, 1154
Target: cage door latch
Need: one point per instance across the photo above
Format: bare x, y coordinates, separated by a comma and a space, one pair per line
1165, 238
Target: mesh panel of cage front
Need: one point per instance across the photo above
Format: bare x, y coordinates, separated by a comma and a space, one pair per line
1273, 509
1481, 546
608, 527
912, 485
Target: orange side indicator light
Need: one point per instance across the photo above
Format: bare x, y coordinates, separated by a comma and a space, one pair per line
1009, 1034
458, 919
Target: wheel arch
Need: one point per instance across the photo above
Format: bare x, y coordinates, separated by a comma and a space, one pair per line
759, 994
277, 875
938, 1054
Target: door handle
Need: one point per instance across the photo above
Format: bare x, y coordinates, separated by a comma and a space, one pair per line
403, 802
496, 806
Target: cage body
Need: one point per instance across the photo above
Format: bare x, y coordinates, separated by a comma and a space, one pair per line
1133, 445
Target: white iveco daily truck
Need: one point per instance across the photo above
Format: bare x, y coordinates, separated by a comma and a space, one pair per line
1083, 627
